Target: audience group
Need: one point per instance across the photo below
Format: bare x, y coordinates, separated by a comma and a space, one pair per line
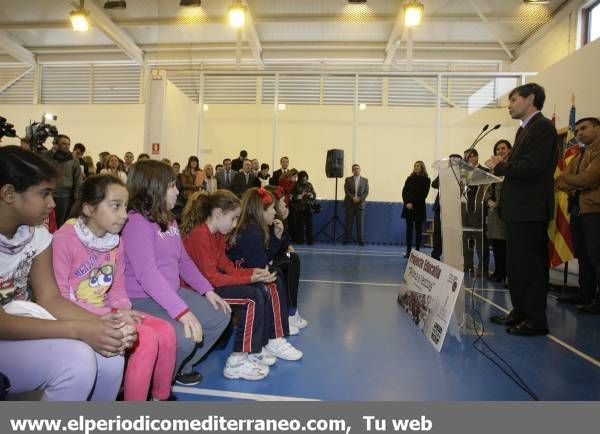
122, 295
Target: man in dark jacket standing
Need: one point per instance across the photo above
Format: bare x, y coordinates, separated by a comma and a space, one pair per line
526, 208
356, 189
69, 177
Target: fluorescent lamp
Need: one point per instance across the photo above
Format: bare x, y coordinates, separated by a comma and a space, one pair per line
115, 4
413, 13
237, 15
190, 3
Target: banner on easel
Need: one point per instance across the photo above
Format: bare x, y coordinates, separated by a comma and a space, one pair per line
430, 294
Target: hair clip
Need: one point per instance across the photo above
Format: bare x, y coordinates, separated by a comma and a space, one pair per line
266, 197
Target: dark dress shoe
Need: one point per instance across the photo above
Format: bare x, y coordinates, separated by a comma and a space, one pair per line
188, 379
525, 328
592, 309
506, 320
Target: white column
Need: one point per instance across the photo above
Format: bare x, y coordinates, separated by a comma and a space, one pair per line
154, 119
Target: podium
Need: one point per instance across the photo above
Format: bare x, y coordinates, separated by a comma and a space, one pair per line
456, 176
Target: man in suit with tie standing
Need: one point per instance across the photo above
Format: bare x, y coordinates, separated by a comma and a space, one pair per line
356, 189
244, 180
527, 206
285, 163
225, 177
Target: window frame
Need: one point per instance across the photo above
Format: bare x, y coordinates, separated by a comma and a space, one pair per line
587, 12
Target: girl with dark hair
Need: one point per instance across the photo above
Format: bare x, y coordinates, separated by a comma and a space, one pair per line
253, 245
414, 193
288, 262
75, 357
496, 229
207, 219
113, 168
89, 265
155, 261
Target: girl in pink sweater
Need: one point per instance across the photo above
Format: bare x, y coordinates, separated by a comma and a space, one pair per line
89, 265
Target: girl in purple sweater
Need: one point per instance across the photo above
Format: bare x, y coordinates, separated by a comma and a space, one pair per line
156, 260
89, 265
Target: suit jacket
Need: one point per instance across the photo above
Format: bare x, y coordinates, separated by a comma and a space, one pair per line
363, 192
528, 188
275, 178
237, 164
221, 184
240, 185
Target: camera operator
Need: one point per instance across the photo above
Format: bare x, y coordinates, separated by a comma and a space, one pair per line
69, 176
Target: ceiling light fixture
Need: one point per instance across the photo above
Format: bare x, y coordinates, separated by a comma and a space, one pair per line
115, 4
357, 1
190, 3
79, 19
539, 2
413, 13
237, 14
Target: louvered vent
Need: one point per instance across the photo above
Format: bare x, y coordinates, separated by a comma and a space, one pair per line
293, 89
17, 82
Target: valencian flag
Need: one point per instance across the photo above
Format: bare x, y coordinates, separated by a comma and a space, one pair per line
559, 231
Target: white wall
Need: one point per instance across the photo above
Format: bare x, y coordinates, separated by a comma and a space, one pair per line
179, 126
116, 128
389, 139
575, 74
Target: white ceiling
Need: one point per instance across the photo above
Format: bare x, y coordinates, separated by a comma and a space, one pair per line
285, 29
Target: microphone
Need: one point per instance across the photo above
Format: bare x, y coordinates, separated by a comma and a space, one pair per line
485, 127
481, 136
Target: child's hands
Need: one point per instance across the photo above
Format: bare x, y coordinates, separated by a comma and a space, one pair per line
102, 334
217, 302
131, 317
263, 275
278, 228
191, 327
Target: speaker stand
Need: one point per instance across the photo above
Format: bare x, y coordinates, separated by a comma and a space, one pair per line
333, 221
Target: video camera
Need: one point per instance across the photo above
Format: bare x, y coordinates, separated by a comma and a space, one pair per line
6, 129
38, 132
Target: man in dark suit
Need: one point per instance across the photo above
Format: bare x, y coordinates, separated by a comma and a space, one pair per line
356, 189
527, 206
238, 163
225, 177
244, 180
285, 163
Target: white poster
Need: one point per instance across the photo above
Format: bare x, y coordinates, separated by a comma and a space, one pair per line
430, 294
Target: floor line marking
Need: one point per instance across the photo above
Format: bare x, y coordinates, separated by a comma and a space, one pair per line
551, 337
237, 395
300, 249
351, 283
376, 255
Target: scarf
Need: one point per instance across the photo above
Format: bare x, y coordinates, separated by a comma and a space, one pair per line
17, 243
102, 244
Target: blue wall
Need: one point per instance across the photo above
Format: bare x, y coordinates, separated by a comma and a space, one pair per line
383, 224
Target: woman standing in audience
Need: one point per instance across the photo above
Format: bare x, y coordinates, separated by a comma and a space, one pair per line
89, 265
287, 182
251, 245
155, 262
207, 219
47, 342
303, 196
210, 180
112, 168
188, 178
414, 193
496, 229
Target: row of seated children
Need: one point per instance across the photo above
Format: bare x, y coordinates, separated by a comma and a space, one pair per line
109, 285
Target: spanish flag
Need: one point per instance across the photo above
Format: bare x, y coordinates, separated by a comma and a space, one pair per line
559, 230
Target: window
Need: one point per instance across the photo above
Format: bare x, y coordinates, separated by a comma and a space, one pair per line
592, 22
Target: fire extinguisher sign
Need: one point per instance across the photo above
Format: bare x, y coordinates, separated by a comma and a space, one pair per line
155, 148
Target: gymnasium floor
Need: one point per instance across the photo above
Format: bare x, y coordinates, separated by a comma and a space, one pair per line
360, 344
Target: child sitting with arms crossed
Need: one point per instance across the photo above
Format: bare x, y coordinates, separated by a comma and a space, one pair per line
47, 343
207, 219
251, 246
89, 265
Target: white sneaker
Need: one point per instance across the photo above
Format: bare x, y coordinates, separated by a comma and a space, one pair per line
264, 358
242, 367
283, 349
297, 321
293, 330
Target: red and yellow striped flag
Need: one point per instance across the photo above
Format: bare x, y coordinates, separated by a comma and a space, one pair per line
559, 230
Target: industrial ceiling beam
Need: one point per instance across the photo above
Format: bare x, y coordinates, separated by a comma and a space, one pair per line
16, 50
491, 29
